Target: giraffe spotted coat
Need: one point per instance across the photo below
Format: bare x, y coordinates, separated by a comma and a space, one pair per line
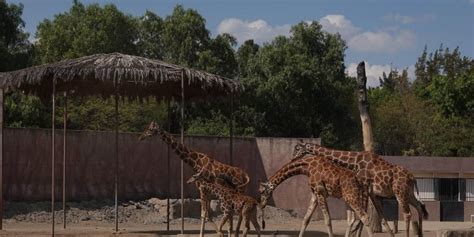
385, 179
326, 179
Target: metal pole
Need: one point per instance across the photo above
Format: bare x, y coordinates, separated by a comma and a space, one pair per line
64, 158
116, 161
168, 174
182, 142
231, 125
52, 156
1, 159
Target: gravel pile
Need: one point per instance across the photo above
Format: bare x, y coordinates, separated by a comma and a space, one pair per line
151, 211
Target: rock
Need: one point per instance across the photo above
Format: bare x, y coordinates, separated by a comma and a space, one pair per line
455, 233
157, 203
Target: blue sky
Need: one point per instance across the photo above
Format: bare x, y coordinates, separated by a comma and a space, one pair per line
383, 33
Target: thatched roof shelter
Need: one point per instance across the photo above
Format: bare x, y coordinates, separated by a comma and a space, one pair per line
103, 74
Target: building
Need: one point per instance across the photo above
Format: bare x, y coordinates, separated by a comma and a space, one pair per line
446, 185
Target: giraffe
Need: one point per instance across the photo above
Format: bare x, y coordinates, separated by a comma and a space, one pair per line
385, 179
326, 179
213, 170
232, 203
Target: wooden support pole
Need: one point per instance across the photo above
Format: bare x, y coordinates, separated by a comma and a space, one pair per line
168, 172
182, 142
64, 158
53, 141
1, 158
116, 161
231, 130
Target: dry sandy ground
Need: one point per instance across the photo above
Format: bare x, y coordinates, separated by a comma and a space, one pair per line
290, 228
148, 218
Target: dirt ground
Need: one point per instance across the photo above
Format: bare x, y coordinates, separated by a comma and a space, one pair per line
148, 218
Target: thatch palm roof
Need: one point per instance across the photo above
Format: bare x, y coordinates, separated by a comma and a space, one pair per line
132, 76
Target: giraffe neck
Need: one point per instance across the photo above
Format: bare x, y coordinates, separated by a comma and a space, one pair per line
328, 154
215, 189
297, 167
187, 155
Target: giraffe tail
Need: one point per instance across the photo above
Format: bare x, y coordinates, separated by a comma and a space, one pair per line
416, 187
247, 181
422, 205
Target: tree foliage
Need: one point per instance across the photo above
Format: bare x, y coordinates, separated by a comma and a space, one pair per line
15, 49
296, 85
434, 115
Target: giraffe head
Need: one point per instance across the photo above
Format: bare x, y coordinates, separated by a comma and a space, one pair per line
194, 178
151, 130
197, 177
301, 149
265, 190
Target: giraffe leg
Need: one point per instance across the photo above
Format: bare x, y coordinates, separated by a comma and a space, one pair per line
253, 219
350, 221
203, 212
365, 220
419, 208
237, 227
360, 207
327, 216
247, 225
231, 222
406, 213
209, 216
225, 218
312, 206
378, 208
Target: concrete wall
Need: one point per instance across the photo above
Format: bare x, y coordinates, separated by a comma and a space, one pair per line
468, 210
143, 167
143, 170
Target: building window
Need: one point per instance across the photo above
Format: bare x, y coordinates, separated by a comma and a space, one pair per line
451, 189
426, 189
470, 190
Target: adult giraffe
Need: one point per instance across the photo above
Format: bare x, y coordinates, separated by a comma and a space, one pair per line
210, 169
386, 180
325, 179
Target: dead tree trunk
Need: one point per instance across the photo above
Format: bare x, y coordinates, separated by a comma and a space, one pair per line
375, 219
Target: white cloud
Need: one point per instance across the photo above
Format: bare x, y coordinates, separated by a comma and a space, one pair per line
258, 30
374, 72
339, 24
397, 17
388, 40
382, 41
471, 1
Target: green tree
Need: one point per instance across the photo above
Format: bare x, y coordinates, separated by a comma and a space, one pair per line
185, 36
219, 57
296, 87
91, 29
245, 53
85, 30
150, 43
15, 49
432, 116
15, 53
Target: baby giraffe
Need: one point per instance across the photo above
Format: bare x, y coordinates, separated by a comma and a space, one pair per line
231, 203
326, 179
